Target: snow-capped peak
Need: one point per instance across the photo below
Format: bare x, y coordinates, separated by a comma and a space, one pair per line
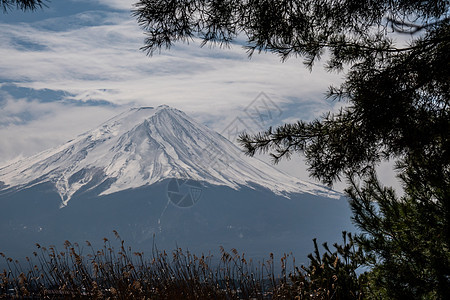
143, 146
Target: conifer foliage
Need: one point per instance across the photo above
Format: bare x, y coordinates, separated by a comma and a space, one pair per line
21, 4
397, 108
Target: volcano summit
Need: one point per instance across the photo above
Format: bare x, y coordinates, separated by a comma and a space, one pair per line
155, 173
143, 146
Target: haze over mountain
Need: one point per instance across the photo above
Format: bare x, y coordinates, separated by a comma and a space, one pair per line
155, 173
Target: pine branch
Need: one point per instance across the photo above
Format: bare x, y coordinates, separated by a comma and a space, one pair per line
24, 5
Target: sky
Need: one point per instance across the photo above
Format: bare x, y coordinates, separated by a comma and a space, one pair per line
69, 67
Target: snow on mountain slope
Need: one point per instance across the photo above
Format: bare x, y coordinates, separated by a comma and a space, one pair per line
143, 146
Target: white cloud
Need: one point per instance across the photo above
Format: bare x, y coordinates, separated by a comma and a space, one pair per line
118, 4
47, 125
97, 57
104, 63
114, 4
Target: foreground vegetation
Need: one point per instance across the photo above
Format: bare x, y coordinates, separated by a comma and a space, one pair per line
87, 273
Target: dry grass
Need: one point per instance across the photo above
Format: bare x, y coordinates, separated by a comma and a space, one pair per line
111, 273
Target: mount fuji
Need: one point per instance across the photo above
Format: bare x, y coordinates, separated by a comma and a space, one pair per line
156, 175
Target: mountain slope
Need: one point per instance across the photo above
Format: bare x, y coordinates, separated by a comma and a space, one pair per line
144, 146
157, 176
